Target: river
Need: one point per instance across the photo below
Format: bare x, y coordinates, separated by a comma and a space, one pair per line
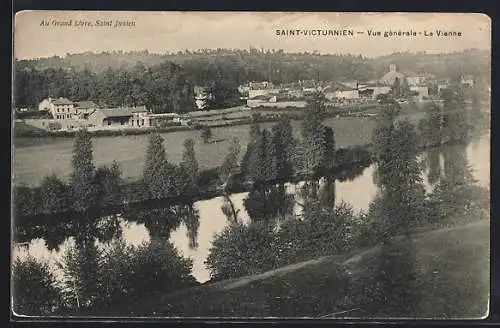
358, 193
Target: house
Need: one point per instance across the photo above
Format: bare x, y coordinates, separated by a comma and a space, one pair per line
467, 80
160, 119
351, 84
116, 117
416, 79
261, 89
340, 91
372, 90
442, 84
45, 105
201, 95
139, 117
84, 107
243, 89
110, 117
421, 90
310, 86
62, 108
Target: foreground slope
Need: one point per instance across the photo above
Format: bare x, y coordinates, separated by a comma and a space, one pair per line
440, 274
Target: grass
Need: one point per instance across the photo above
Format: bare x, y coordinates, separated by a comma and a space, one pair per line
129, 151
451, 280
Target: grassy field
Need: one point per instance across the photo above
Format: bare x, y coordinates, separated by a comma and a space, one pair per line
129, 151
451, 280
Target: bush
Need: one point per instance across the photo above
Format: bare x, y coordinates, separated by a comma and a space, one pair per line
138, 271
241, 250
98, 277
34, 288
329, 233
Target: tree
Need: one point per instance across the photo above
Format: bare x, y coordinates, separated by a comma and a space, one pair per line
396, 88
455, 115
108, 183
283, 144
156, 168
227, 171
206, 134
222, 94
398, 176
54, 195
81, 266
432, 125
34, 288
241, 250
312, 136
83, 192
188, 169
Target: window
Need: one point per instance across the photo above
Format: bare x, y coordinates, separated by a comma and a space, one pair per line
58, 109
109, 122
142, 122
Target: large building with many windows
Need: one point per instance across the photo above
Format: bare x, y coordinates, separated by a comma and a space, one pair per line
60, 108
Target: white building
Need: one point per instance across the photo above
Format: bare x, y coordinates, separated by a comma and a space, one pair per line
340, 91
45, 105
467, 80
423, 91
373, 90
60, 108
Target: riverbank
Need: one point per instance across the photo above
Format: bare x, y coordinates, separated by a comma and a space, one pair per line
25, 134
451, 279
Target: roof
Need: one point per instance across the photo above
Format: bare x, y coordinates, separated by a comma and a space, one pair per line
337, 87
116, 112
409, 73
140, 109
62, 101
86, 104
261, 85
164, 115
373, 85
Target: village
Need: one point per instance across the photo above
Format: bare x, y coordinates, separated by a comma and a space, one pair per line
63, 114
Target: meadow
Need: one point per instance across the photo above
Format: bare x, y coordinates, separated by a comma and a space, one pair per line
129, 151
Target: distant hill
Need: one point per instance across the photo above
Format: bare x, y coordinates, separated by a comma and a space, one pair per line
471, 61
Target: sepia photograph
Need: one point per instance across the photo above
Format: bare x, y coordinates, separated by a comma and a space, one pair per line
323, 165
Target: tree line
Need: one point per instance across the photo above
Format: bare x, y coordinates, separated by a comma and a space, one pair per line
165, 82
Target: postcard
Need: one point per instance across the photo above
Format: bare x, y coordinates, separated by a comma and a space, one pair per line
251, 165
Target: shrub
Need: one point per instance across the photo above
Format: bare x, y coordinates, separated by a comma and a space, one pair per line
103, 276
329, 233
137, 271
34, 288
241, 250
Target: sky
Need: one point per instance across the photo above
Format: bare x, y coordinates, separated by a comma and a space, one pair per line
160, 32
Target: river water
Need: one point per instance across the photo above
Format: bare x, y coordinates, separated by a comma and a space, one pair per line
358, 193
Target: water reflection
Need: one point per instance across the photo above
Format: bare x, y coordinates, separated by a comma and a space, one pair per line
191, 228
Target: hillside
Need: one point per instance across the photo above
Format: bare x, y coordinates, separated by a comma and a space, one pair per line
343, 66
441, 274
